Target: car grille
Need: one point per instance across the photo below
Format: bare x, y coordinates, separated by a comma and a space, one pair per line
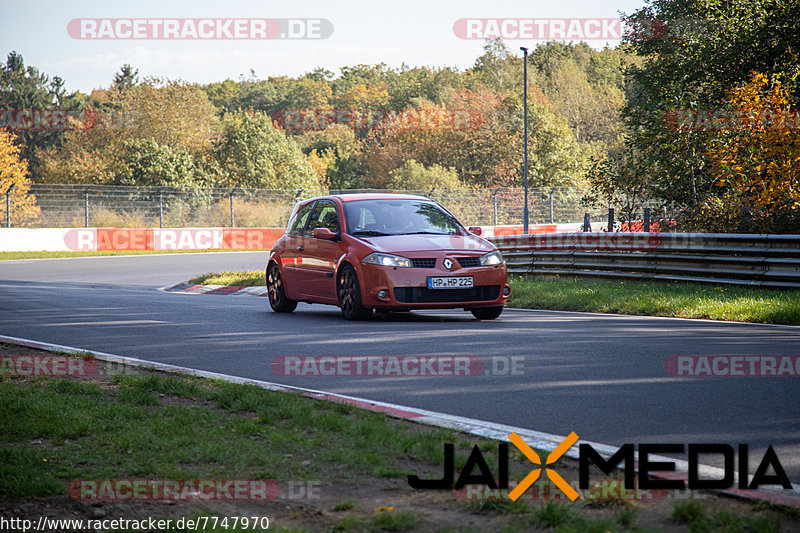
469, 262
423, 262
425, 295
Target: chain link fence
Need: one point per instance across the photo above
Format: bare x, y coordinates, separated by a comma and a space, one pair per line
73, 206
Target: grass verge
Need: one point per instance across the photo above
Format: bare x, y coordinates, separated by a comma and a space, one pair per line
684, 300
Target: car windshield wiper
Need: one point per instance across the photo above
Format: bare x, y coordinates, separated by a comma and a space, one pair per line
370, 233
426, 233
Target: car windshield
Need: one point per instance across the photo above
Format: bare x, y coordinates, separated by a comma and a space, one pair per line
374, 218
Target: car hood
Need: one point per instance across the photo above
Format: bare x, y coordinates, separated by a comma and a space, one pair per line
398, 244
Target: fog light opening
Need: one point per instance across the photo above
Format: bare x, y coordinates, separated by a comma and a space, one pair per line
506, 291
382, 294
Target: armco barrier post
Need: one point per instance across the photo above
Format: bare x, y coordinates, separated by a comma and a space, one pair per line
587, 226
610, 219
8, 205
161, 209
232, 192
494, 201
647, 220
86, 207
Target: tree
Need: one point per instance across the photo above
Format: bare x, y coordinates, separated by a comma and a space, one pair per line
555, 157
126, 78
14, 175
150, 164
309, 94
415, 176
344, 169
614, 182
252, 153
224, 94
25, 87
469, 132
756, 162
169, 113
498, 68
592, 112
695, 68
363, 97
365, 75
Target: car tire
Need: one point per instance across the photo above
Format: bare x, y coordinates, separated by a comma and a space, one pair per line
275, 290
487, 313
349, 291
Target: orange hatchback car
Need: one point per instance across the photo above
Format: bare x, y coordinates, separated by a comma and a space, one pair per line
384, 253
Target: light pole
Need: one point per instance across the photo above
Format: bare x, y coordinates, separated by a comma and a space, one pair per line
525, 136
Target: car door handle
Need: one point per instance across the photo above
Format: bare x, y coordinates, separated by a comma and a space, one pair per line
300, 248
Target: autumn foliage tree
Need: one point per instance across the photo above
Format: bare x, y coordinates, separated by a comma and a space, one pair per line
14, 175
469, 132
756, 160
175, 116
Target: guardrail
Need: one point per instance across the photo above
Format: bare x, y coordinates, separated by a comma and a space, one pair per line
769, 261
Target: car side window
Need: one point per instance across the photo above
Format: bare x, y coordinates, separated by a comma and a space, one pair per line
298, 222
324, 216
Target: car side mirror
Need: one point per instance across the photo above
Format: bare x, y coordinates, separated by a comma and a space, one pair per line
476, 230
325, 234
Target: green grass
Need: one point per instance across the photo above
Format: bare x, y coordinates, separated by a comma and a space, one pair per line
140, 427
700, 519
657, 299
561, 517
5, 256
685, 300
345, 505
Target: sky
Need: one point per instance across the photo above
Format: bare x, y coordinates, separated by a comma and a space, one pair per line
343, 33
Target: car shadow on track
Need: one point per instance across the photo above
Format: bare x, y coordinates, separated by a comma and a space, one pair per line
333, 313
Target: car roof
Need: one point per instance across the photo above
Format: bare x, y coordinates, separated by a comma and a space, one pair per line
373, 196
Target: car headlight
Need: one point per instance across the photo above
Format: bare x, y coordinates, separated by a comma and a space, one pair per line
388, 260
492, 258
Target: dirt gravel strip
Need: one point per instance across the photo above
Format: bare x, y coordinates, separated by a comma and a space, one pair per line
536, 439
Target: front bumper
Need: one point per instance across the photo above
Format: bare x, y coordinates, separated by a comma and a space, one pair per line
407, 288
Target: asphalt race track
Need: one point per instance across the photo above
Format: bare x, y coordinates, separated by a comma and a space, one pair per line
601, 376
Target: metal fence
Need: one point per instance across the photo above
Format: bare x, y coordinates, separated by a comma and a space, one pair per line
770, 261
134, 207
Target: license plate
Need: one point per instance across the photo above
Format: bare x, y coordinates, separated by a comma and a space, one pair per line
450, 282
